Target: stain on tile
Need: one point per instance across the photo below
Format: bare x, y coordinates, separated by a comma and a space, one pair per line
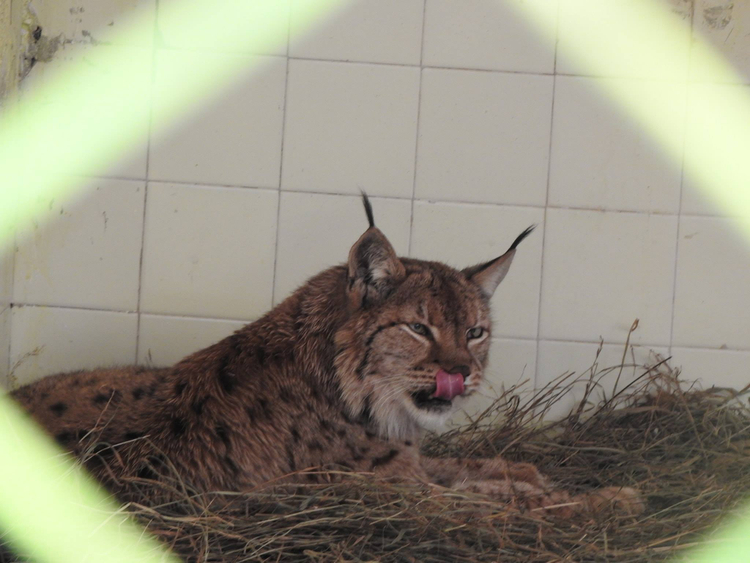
718, 17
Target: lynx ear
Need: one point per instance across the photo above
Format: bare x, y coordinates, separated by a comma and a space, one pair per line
374, 268
489, 275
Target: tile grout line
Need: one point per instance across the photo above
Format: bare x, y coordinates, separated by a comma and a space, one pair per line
126, 312
428, 200
281, 161
682, 177
6, 378
416, 140
146, 181
503, 337
9, 308
636, 78
546, 200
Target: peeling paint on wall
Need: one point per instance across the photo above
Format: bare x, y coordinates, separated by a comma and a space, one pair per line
36, 32
718, 17
38, 46
682, 8
10, 46
23, 43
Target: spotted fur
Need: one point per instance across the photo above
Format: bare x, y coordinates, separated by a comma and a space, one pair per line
341, 374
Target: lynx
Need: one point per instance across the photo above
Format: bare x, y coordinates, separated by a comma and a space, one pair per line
347, 373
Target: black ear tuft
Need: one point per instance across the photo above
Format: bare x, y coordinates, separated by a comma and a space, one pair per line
522, 236
368, 209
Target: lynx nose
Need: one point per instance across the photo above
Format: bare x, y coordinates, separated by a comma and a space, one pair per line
463, 369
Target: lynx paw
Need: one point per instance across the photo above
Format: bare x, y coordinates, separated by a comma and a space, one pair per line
557, 503
523, 496
620, 500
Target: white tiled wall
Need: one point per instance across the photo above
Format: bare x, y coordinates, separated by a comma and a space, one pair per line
600, 159
208, 251
328, 146
200, 151
46, 340
6, 298
84, 253
464, 127
602, 269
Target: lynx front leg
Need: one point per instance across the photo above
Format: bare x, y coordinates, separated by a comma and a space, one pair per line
451, 472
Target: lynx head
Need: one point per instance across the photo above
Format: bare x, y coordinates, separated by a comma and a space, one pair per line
418, 335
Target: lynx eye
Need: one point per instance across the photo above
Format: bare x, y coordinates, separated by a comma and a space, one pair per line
419, 329
476, 332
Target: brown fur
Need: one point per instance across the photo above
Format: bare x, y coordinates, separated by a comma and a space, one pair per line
326, 379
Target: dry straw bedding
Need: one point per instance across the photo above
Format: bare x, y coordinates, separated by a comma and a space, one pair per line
687, 450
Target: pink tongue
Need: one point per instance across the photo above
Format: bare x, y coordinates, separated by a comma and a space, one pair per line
449, 385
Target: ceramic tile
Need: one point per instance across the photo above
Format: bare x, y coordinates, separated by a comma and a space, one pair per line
51, 85
712, 161
48, 340
720, 368
85, 252
377, 31
6, 274
619, 55
602, 270
486, 34
601, 159
350, 127
4, 347
264, 32
713, 274
484, 137
164, 341
233, 140
208, 251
